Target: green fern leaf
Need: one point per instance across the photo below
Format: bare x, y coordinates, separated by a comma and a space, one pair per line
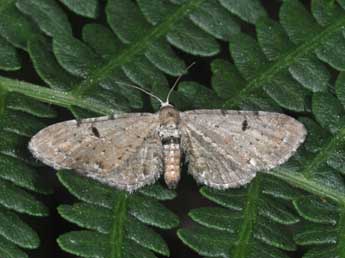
49, 17
116, 218
14, 26
19, 178
249, 11
88, 9
324, 227
291, 66
8, 56
250, 225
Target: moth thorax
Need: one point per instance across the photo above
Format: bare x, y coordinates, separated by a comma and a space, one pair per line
172, 160
169, 115
169, 119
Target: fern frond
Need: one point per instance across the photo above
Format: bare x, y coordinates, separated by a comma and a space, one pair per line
250, 225
324, 231
134, 55
118, 223
290, 61
321, 174
290, 65
20, 118
20, 181
290, 56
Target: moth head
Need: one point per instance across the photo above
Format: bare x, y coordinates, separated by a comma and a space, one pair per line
168, 115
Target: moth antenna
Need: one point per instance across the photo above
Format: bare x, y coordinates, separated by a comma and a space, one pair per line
143, 90
177, 81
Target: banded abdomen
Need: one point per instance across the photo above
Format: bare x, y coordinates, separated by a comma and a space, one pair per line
170, 137
172, 161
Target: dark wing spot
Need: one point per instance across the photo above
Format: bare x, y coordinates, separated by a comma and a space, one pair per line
224, 112
95, 131
216, 126
100, 164
145, 171
245, 125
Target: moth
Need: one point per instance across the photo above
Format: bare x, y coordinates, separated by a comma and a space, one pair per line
223, 148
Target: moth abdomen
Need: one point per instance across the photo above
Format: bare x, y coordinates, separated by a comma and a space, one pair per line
172, 160
171, 140
170, 136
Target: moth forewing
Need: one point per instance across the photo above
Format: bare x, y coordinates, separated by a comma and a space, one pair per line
122, 151
224, 148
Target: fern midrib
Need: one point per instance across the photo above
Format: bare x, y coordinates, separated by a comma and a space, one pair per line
138, 47
284, 62
57, 97
249, 220
301, 182
117, 231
